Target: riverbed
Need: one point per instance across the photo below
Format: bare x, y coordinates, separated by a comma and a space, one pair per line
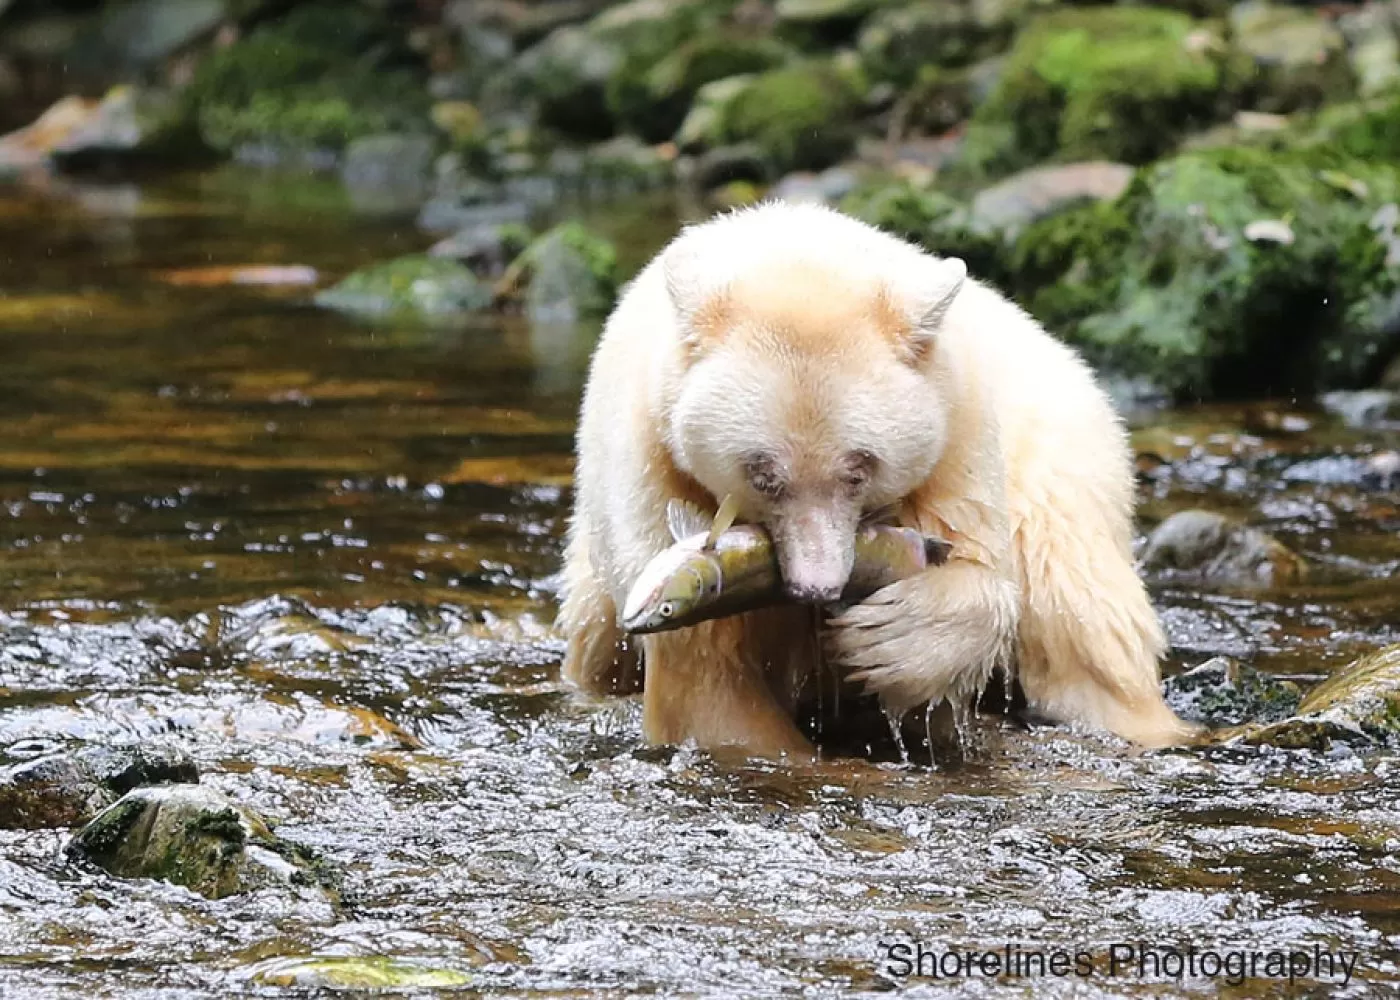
319, 556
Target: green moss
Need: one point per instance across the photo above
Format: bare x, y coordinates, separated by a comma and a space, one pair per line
800, 116
1121, 83
1165, 283
652, 96
568, 271
897, 43
312, 79
930, 218
415, 286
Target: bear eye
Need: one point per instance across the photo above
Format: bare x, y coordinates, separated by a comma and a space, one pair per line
763, 476
860, 466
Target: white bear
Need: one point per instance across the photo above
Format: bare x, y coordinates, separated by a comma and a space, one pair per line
819, 369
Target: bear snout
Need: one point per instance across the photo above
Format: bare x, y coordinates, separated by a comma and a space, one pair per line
815, 554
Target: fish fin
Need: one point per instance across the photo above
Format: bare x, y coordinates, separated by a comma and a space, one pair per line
685, 519
724, 520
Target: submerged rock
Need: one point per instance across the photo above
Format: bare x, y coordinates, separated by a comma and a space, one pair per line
192, 836
66, 789
418, 286
387, 173
1222, 691
1360, 704
1363, 407
362, 973
1212, 547
565, 274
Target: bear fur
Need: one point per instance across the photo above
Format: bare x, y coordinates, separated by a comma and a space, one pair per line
819, 369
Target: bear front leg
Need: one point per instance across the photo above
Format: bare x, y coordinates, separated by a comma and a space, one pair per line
713, 684
599, 659
931, 637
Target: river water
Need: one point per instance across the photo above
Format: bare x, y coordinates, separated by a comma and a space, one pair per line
318, 556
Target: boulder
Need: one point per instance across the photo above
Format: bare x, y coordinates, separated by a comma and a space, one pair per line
800, 117
1116, 83
387, 174
896, 43
1194, 278
1299, 56
1225, 692
314, 79
69, 788
1204, 545
192, 836
567, 273
1010, 206
1358, 705
416, 287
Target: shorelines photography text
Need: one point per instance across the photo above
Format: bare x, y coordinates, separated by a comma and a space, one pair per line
904, 959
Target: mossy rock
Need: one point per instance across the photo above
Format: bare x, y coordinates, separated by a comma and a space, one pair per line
1206, 545
897, 43
1299, 56
802, 117
1222, 692
567, 273
652, 96
1360, 704
1227, 272
571, 72
1117, 83
192, 836
67, 789
315, 79
930, 218
416, 287
704, 124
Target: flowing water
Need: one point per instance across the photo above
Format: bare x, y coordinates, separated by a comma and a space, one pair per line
318, 556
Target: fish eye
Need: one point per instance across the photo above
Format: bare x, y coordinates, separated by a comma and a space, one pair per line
666, 610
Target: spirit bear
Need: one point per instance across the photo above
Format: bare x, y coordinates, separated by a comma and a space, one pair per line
819, 369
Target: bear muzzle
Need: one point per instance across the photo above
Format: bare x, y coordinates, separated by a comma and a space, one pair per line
816, 549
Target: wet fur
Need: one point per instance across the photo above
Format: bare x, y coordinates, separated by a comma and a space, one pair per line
1004, 444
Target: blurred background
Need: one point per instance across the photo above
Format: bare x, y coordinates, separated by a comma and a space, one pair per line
296, 303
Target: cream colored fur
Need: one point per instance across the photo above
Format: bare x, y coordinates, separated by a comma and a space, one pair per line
811, 332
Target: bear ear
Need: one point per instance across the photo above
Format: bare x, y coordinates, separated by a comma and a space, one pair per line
701, 306
939, 282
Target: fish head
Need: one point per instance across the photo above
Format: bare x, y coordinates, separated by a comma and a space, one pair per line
671, 588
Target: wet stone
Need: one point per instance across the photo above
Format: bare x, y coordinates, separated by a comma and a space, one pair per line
1223, 691
417, 286
66, 789
1206, 545
364, 973
192, 836
1358, 705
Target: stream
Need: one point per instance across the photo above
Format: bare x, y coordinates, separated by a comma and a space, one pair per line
319, 557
